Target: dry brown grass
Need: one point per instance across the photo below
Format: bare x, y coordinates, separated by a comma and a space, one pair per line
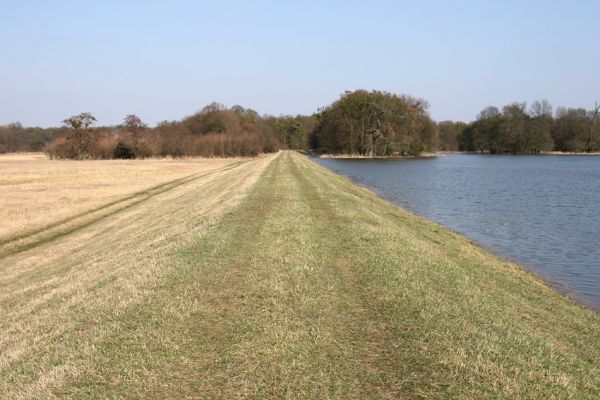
65, 291
36, 191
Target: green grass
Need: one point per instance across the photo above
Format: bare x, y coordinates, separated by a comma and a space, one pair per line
315, 288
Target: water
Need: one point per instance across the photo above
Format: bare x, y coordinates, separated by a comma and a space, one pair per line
541, 211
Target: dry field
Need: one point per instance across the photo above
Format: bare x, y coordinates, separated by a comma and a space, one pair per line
36, 191
61, 286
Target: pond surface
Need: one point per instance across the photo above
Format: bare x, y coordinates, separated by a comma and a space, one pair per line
541, 211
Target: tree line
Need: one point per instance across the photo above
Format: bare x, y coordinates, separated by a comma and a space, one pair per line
518, 129
368, 123
214, 131
17, 138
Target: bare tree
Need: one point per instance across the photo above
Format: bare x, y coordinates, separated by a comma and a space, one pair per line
81, 121
489, 112
540, 108
80, 124
538, 136
594, 116
134, 124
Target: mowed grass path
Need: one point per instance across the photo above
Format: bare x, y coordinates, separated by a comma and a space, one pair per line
306, 286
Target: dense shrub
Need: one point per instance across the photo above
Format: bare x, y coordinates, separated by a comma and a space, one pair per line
213, 132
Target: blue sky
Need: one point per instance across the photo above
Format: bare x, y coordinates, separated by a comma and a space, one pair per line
167, 59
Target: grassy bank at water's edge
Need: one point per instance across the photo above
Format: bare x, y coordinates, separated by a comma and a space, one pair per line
308, 286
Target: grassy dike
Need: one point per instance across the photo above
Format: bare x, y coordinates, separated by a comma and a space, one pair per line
315, 288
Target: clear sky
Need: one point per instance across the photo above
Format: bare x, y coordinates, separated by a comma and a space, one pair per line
167, 59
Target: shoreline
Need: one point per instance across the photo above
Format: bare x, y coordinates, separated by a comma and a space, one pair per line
362, 157
444, 153
555, 283
543, 153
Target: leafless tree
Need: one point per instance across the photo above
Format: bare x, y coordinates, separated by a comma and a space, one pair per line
80, 124
594, 116
489, 112
540, 108
81, 121
134, 124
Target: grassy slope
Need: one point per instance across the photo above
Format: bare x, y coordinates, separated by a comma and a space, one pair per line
315, 288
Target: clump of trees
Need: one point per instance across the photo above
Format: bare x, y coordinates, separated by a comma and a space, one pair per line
374, 123
450, 134
517, 129
78, 141
16, 138
215, 131
576, 129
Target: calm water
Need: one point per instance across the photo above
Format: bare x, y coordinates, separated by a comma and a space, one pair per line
542, 211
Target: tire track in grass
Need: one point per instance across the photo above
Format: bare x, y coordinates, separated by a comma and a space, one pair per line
67, 226
71, 325
166, 346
